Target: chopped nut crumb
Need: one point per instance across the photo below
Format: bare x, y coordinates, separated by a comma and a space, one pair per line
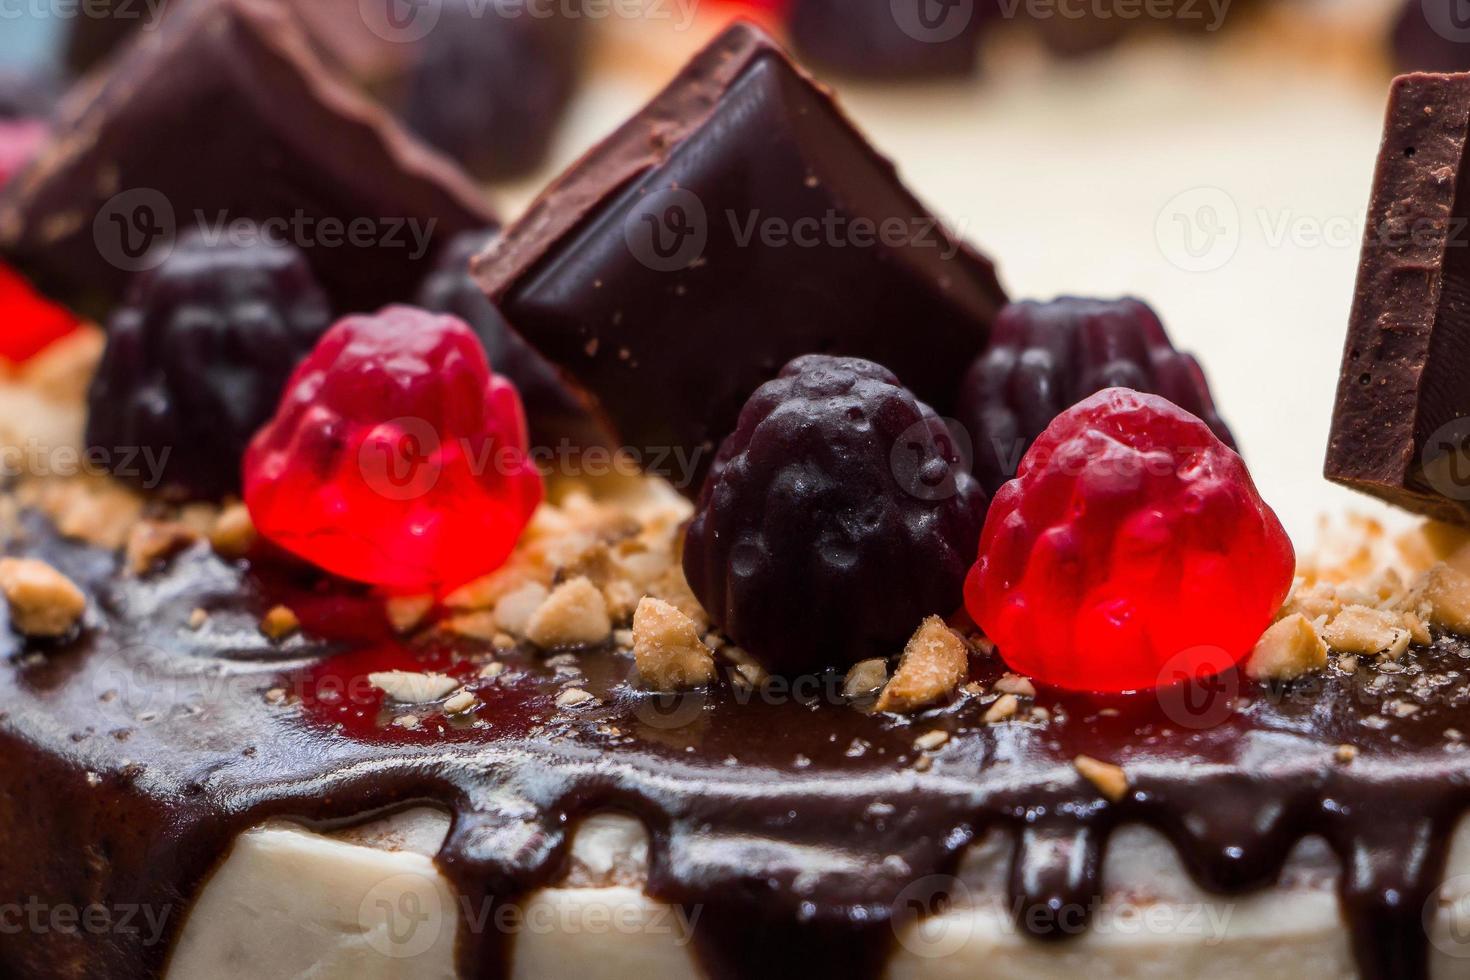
575, 614
574, 697
513, 611
492, 670
460, 702
279, 623
1290, 649
43, 602
1015, 684
276, 695
865, 678
198, 618
932, 666
674, 589
473, 626
1346, 753
407, 721
1109, 779
151, 542
503, 641
1446, 591
410, 687
930, 741
624, 639
406, 612
233, 534
924, 763
1004, 709
1369, 632
667, 648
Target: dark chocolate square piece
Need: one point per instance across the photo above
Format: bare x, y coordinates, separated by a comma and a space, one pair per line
224, 113
738, 221
1401, 430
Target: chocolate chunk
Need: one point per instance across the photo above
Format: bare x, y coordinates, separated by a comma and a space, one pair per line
1431, 37
1401, 430
553, 412
887, 39
493, 82
738, 221
224, 113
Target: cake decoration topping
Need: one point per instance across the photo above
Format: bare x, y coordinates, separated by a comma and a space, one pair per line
935, 661
694, 225
1043, 358
197, 357
835, 517
1132, 549
396, 457
43, 602
32, 322
668, 649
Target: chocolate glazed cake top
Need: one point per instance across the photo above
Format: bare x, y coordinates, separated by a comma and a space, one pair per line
132, 756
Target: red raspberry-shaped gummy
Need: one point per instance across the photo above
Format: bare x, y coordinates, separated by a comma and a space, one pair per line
1131, 549
31, 321
396, 457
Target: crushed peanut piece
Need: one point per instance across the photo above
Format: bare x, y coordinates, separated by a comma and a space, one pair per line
484, 592
474, 626
513, 611
933, 664
1004, 709
667, 648
574, 697
1366, 631
1015, 684
673, 588
460, 703
279, 623
865, 678
410, 687
43, 602
407, 721
1446, 592
1346, 753
1109, 779
929, 741
492, 670
151, 542
198, 618
276, 695
406, 612
233, 534
1290, 649
575, 614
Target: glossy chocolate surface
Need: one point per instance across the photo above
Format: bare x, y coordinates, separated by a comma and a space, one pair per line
262, 130
733, 224
131, 756
1401, 428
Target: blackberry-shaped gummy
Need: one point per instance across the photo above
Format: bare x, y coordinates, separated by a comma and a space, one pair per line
835, 518
491, 85
552, 410
1043, 358
196, 359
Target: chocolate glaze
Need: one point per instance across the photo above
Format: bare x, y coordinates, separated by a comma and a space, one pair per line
132, 755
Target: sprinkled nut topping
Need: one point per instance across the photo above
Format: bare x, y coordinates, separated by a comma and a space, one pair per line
406, 612
1111, 781
152, 542
866, 677
1015, 684
667, 648
233, 534
1004, 709
574, 697
1290, 649
1447, 593
575, 614
279, 623
1367, 631
43, 602
932, 666
408, 687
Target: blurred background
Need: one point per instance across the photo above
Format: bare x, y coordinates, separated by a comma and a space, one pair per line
1212, 157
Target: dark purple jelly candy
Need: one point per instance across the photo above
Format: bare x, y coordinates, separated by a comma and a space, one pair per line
890, 39
836, 517
491, 84
1043, 358
552, 411
196, 359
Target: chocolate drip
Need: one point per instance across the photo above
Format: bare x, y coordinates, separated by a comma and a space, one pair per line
798, 829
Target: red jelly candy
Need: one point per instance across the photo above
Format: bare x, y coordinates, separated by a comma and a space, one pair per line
31, 321
1131, 550
395, 457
